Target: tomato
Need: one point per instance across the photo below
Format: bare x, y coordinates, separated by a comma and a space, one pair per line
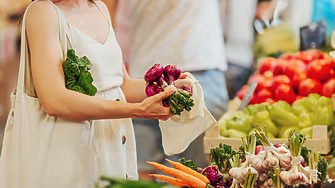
286, 56
266, 64
280, 79
240, 94
297, 78
286, 93
318, 69
255, 77
293, 67
332, 73
328, 88
278, 67
253, 99
299, 97
270, 100
265, 83
308, 86
330, 60
303, 56
262, 95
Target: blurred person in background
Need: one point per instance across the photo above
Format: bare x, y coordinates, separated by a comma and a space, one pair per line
237, 18
184, 33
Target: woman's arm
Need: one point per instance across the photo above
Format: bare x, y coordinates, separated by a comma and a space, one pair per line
42, 29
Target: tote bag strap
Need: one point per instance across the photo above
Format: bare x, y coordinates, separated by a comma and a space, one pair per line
25, 81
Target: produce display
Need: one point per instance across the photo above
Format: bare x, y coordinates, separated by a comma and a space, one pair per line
158, 79
292, 76
280, 117
257, 163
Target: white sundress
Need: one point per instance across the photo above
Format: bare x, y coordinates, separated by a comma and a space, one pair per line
106, 147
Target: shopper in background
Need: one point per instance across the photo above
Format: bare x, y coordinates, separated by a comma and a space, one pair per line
185, 33
237, 18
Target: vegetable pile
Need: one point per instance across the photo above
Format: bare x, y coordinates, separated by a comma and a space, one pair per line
281, 117
77, 77
158, 79
258, 163
292, 76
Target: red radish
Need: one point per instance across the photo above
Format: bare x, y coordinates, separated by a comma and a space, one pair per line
319, 70
187, 88
285, 93
153, 73
152, 89
328, 88
280, 79
308, 86
297, 78
171, 73
240, 94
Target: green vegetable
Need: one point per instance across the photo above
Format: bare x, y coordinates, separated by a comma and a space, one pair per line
255, 108
77, 77
305, 120
239, 123
109, 182
308, 132
263, 118
250, 179
189, 164
220, 156
322, 163
285, 131
232, 133
307, 103
323, 113
280, 112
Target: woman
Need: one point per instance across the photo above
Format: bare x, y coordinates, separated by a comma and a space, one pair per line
68, 154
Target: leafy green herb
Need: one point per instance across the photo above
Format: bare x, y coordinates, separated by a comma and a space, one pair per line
189, 164
109, 182
322, 163
77, 77
220, 156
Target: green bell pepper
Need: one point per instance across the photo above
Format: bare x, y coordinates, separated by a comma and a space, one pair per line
240, 123
285, 131
280, 113
263, 118
307, 103
305, 120
308, 132
323, 113
255, 108
232, 133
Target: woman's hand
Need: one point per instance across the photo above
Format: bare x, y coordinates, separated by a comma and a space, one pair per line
152, 107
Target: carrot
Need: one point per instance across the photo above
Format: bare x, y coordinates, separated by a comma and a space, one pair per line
189, 171
189, 179
171, 180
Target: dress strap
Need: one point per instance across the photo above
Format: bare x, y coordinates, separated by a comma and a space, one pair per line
102, 12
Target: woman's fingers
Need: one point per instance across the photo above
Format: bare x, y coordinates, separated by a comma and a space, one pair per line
162, 95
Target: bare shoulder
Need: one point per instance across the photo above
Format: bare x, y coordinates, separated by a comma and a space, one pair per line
42, 13
103, 7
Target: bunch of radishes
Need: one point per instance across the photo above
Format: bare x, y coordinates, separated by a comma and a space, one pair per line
158, 79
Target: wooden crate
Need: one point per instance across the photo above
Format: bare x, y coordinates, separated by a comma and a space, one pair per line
321, 140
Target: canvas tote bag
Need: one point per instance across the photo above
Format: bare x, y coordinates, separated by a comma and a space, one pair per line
40, 150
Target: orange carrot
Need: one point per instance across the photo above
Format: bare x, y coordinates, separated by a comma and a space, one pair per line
171, 180
189, 171
189, 179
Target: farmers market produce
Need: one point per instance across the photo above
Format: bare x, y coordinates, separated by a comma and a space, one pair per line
77, 77
292, 76
280, 118
158, 79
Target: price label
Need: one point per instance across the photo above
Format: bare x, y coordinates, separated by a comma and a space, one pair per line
248, 95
